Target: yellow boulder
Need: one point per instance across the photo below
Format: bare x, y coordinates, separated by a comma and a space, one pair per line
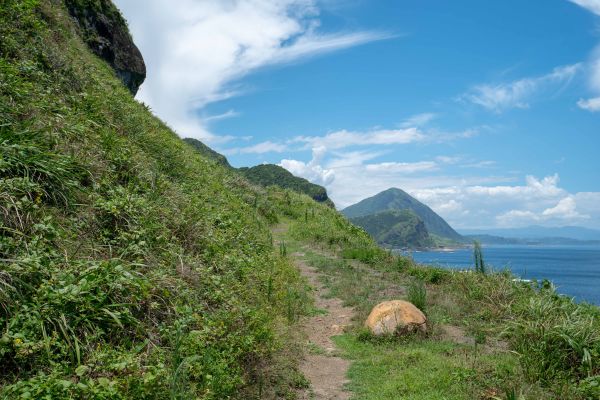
396, 317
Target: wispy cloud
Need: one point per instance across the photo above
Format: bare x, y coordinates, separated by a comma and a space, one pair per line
219, 117
518, 93
344, 138
259, 148
195, 50
593, 69
402, 167
591, 5
418, 120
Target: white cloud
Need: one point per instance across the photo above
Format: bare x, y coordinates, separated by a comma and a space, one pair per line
344, 138
592, 105
465, 202
402, 167
418, 120
566, 208
219, 117
259, 148
517, 94
312, 170
196, 50
591, 5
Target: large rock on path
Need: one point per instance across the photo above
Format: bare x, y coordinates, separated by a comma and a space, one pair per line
396, 317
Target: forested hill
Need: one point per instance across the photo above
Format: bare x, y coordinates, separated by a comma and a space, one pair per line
267, 174
396, 229
270, 174
397, 199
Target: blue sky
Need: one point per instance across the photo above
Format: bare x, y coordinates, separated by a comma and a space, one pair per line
489, 112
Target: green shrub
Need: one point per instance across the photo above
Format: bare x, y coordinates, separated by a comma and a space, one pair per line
429, 274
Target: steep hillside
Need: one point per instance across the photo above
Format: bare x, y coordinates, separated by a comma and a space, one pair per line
267, 175
131, 267
270, 174
396, 229
396, 199
207, 152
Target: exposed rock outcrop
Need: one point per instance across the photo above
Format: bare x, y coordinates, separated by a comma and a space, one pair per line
396, 317
105, 31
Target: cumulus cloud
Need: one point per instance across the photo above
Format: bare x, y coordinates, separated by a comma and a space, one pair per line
196, 50
465, 201
517, 94
312, 170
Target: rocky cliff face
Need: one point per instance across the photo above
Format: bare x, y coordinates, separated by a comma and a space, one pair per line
105, 31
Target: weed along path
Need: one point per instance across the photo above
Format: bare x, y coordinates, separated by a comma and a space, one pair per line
322, 367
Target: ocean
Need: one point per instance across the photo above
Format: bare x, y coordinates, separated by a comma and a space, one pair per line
574, 270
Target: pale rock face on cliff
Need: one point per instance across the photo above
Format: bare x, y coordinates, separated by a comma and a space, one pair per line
105, 31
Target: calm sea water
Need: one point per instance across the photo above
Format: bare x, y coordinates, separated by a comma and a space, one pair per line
575, 270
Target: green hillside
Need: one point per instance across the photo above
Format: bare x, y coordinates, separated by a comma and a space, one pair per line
207, 152
131, 267
267, 174
396, 229
134, 267
397, 199
270, 174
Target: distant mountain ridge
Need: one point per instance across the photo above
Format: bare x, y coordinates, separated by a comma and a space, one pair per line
267, 174
397, 199
538, 232
396, 229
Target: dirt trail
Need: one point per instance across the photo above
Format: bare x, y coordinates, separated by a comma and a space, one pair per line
325, 370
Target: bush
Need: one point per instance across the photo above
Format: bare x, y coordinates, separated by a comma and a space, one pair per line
429, 274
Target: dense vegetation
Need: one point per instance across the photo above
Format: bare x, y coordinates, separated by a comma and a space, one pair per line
492, 336
270, 174
396, 229
207, 152
397, 199
132, 267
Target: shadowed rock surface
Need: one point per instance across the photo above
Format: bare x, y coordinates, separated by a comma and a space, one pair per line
105, 31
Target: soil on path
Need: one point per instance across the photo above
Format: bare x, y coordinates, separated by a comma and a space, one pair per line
322, 367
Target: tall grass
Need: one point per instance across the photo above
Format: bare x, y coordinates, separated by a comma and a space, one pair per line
417, 294
556, 338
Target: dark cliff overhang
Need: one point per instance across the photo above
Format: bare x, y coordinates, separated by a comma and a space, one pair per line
105, 31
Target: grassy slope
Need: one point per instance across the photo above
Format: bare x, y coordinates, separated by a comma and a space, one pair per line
492, 337
270, 174
130, 266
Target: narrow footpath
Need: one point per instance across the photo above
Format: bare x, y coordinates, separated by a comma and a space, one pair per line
322, 366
